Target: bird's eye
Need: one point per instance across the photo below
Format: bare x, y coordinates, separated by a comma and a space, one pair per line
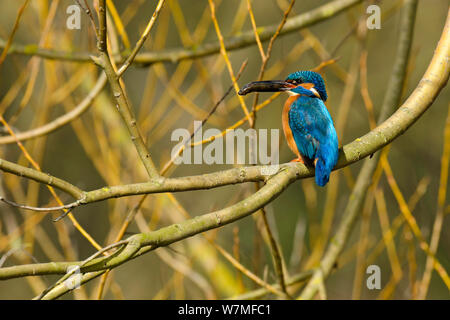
297, 81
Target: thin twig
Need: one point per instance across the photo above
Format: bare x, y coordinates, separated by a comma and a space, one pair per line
248, 273
40, 209
13, 32
61, 121
438, 222
224, 53
244, 39
210, 113
84, 262
88, 11
141, 40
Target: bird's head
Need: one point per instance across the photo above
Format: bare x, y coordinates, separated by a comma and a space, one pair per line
307, 83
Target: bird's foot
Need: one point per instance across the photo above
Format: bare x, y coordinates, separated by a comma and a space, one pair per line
299, 159
315, 162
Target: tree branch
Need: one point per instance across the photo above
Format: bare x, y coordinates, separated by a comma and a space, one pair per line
123, 105
60, 121
243, 40
141, 40
41, 177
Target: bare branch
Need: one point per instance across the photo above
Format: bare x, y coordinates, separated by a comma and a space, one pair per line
243, 40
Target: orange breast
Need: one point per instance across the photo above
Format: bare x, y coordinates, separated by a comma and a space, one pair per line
286, 128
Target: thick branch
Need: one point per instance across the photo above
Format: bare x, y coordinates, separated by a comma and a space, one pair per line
41, 177
422, 97
172, 233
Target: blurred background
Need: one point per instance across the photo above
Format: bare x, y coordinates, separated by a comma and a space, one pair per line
95, 149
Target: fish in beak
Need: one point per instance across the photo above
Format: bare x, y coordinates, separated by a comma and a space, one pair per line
306, 89
266, 86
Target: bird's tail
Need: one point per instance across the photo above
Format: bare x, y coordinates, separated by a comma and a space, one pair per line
326, 160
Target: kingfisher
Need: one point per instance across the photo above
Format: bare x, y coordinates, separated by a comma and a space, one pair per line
307, 124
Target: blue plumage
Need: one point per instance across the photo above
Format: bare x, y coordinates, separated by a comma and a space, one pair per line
307, 125
314, 134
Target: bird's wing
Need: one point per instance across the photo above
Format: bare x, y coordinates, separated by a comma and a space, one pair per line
309, 123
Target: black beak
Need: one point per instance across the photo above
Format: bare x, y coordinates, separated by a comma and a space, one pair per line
265, 86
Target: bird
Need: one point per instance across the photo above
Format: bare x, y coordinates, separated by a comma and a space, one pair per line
307, 124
